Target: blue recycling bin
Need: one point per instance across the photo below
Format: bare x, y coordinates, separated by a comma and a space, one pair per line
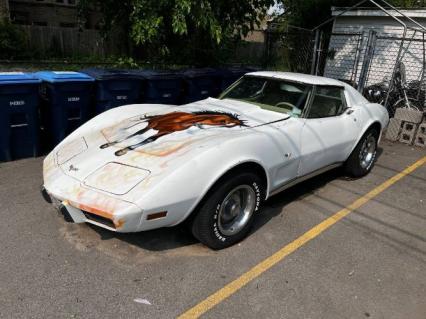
201, 84
114, 88
161, 87
231, 75
66, 98
19, 122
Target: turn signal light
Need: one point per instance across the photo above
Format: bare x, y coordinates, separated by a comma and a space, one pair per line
156, 215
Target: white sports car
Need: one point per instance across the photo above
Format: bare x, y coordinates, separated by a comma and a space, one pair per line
213, 162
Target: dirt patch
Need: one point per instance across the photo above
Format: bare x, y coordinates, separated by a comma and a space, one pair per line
133, 248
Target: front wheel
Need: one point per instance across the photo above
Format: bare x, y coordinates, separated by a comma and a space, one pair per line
362, 158
226, 215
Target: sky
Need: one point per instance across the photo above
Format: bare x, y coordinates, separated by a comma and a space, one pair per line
277, 9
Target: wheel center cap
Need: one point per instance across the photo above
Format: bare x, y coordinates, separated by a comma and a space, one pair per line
235, 209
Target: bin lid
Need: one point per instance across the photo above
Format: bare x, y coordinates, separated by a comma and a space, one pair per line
63, 76
111, 74
17, 78
158, 74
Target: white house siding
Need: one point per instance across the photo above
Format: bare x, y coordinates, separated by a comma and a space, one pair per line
389, 34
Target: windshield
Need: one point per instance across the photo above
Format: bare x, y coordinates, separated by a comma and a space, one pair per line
270, 94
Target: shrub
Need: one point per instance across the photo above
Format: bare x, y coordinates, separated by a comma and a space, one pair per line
13, 41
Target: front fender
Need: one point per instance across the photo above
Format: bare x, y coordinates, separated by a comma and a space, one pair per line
181, 191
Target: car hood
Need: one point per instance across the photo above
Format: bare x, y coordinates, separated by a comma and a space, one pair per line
153, 140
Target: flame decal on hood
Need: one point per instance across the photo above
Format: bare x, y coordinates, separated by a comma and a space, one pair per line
169, 123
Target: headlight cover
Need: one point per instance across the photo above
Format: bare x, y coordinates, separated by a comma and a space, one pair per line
71, 150
116, 178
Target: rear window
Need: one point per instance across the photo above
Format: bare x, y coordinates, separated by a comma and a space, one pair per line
327, 102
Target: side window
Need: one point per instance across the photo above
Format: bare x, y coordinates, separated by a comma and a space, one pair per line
327, 101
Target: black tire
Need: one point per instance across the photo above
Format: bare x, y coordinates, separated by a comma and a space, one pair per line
205, 226
354, 165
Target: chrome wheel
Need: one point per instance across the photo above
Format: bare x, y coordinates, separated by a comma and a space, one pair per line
236, 210
368, 152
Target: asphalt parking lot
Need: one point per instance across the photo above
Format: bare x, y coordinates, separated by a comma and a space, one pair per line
370, 264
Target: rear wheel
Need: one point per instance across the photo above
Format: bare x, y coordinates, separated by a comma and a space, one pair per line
362, 158
226, 215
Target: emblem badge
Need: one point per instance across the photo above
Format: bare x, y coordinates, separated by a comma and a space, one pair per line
72, 168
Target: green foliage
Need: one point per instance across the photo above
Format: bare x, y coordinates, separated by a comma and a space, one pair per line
126, 62
181, 30
12, 41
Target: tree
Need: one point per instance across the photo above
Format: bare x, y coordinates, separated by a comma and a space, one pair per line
180, 28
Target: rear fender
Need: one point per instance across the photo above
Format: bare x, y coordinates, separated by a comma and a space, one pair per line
371, 114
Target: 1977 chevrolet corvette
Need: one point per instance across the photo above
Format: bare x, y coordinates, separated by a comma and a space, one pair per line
213, 162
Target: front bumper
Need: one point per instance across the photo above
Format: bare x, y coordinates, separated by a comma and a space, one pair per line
74, 215
45, 195
80, 213
81, 204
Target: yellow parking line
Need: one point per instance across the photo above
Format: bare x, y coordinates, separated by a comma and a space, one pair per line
263, 266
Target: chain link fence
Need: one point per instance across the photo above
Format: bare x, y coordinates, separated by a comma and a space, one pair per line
386, 68
396, 79
343, 56
402, 78
289, 48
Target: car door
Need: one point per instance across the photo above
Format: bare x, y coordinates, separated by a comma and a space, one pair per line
287, 136
330, 129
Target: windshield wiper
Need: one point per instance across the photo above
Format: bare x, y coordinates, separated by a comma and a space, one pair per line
276, 121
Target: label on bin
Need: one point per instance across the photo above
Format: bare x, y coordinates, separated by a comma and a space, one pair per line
74, 99
11, 73
16, 103
121, 97
167, 95
64, 72
204, 92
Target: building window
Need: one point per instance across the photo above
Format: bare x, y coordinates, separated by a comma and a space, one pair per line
67, 25
69, 2
19, 17
40, 23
